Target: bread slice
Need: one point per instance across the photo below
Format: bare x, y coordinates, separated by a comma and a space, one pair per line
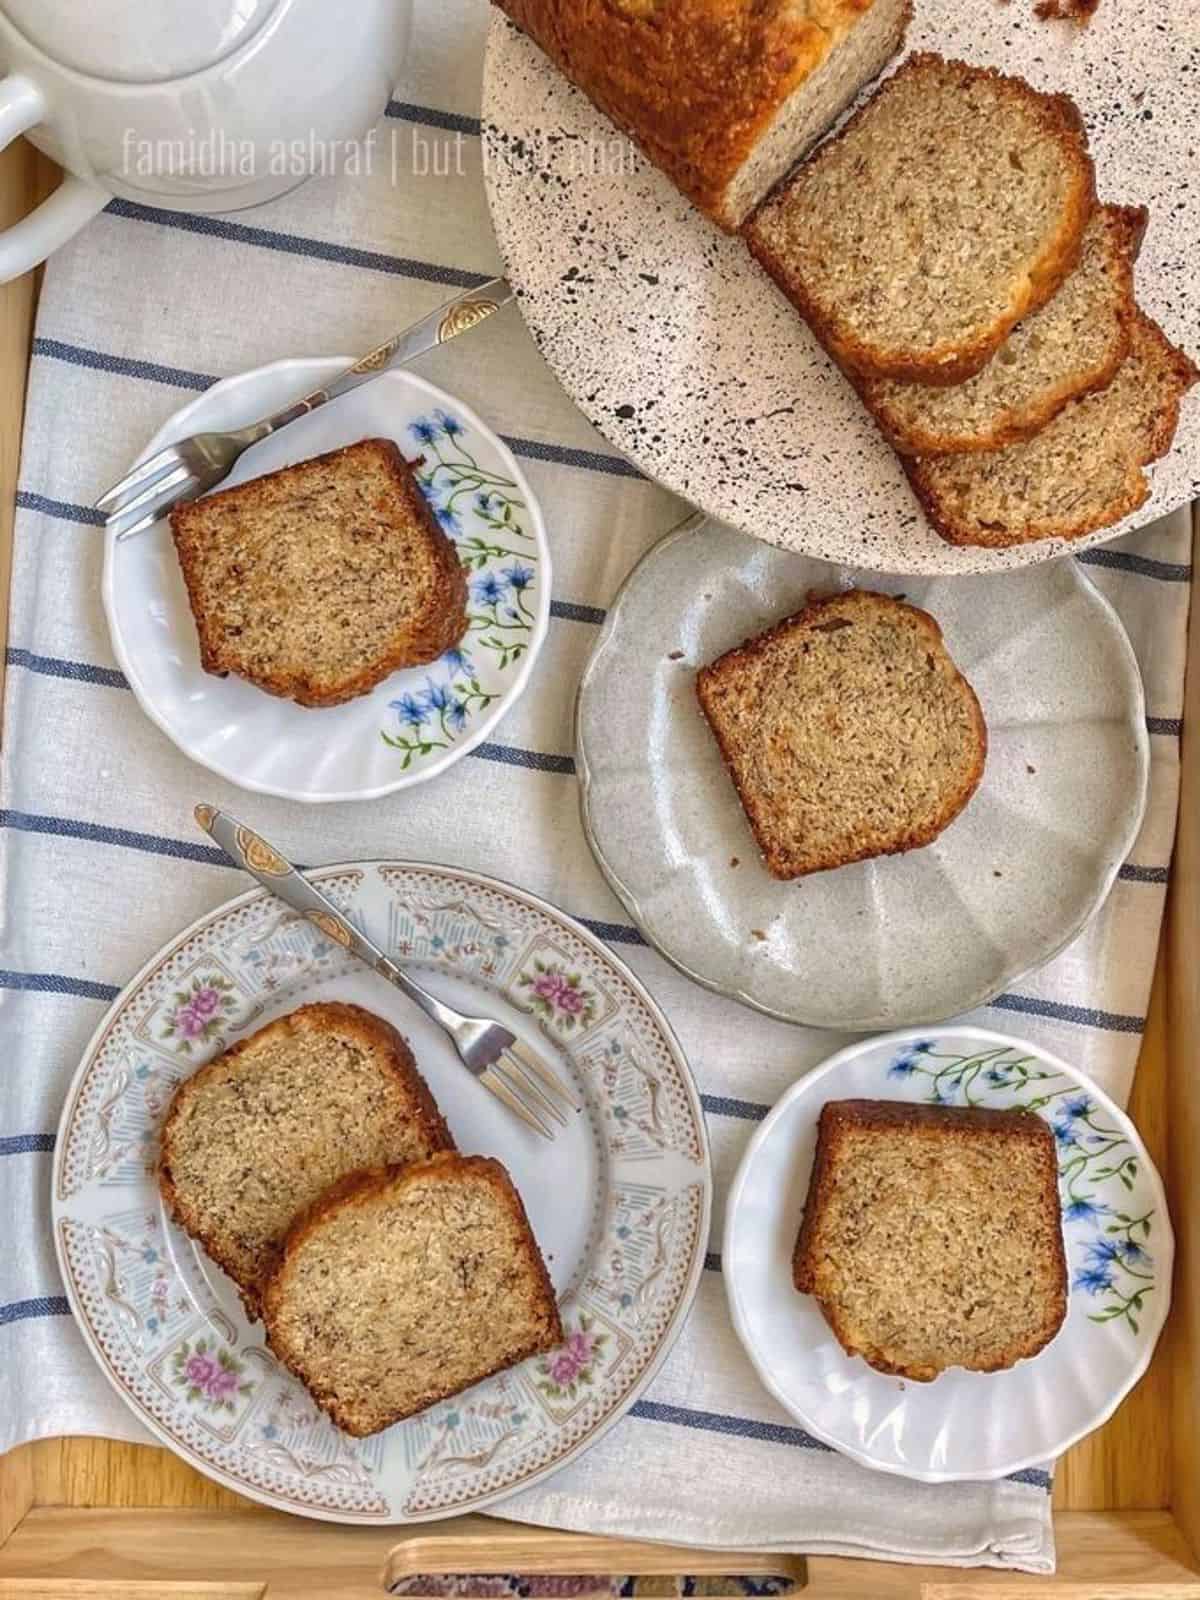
932, 1236
1084, 471
1072, 346
317, 581
723, 98
405, 1286
949, 207
848, 732
254, 1137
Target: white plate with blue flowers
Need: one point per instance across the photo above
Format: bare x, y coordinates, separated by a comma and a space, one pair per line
1116, 1233
417, 722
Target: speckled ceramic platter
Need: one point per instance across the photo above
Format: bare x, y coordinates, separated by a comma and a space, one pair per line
619, 1202
1118, 1245
901, 939
684, 355
417, 722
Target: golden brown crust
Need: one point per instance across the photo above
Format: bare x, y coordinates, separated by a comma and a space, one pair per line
950, 1124
776, 864
371, 1031
1137, 493
695, 83
1184, 373
446, 620
947, 364
909, 438
1080, 11
361, 1189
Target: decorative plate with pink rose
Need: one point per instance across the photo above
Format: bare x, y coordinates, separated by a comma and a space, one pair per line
619, 1202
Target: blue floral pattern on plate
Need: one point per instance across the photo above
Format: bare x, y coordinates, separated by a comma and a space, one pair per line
484, 513
1107, 1243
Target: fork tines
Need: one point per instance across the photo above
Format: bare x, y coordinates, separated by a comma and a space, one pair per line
528, 1087
138, 505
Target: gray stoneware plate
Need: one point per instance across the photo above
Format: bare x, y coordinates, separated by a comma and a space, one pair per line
683, 353
901, 940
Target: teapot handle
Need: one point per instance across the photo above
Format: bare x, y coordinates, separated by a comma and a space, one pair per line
73, 203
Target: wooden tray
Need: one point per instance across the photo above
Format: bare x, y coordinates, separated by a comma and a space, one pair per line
88, 1518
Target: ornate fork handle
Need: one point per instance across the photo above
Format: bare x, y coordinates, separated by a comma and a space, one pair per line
434, 1009
454, 317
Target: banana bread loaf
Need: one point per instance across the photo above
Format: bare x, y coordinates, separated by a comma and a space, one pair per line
723, 95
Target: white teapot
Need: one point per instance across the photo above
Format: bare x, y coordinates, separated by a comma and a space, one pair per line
191, 105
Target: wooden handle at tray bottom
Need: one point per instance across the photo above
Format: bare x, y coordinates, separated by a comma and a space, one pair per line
481, 1546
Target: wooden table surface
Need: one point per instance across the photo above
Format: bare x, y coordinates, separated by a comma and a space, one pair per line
1125, 1465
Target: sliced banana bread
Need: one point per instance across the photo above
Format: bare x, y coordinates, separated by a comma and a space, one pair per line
932, 1236
1072, 346
848, 732
949, 207
405, 1286
317, 581
254, 1137
1082, 472
723, 97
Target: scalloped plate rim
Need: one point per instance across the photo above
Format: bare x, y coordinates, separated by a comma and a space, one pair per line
317, 368
1149, 1340
871, 1023
690, 1283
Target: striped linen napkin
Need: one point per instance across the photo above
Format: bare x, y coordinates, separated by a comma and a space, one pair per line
102, 864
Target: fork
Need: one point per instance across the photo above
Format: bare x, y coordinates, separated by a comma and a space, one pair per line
190, 467
501, 1062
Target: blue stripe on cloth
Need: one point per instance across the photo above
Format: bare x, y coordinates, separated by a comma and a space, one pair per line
1143, 566
773, 1433
1110, 1021
719, 1105
124, 366
718, 1422
55, 983
94, 833
1034, 1476
429, 117
612, 932
1131, 874
56, 667
511, 755
61, 509
23, 1144
572, 456
572, 611
533, 449
47, 1305
564, 610
296, 244
181, 378
207, 855
714, 1104
747, 1110
1171, 726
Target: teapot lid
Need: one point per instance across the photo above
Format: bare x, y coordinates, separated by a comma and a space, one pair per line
138, 43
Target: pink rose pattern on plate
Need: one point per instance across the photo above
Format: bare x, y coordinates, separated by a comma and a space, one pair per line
570, 1368
558, 995
255, 1426
199, 1010
212, 1376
